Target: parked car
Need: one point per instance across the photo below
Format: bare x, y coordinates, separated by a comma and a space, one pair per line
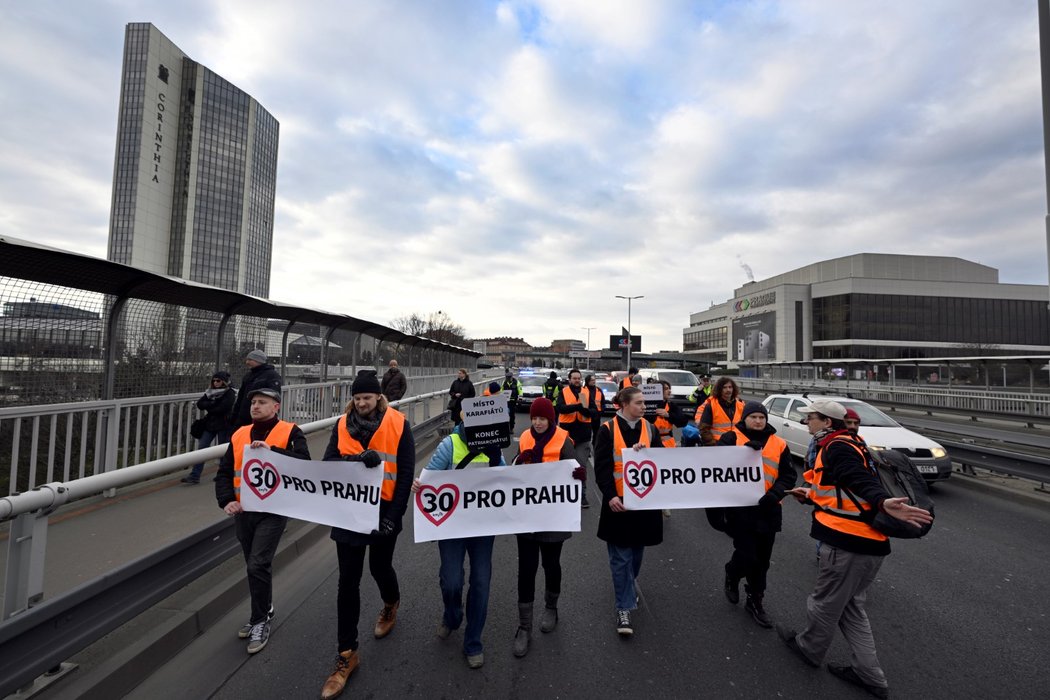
531, 389
608, 393
683, 383
879, 430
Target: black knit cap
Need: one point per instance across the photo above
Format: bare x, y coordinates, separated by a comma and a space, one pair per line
365, 383
754, 407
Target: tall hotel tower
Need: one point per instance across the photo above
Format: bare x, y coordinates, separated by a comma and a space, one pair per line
195, 171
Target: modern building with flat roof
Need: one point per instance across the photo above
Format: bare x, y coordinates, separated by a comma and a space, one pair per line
873, 306
195, 172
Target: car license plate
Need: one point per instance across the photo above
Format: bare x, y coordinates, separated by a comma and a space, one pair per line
927, 468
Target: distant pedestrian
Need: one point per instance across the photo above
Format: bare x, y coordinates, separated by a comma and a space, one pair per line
462, 388
394, 384
852, 551
668, 417
626, 532
591, 382
719, 414
576, 411
260, 375
754, 528
543, 442
552, 387
454, 453
259, 533
217, 404
628, 379
377, 435
513, 385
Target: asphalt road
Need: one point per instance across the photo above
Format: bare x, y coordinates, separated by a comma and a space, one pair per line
959, 614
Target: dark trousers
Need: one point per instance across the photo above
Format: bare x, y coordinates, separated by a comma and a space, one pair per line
751, 554
529, 553
259, 535
351, 565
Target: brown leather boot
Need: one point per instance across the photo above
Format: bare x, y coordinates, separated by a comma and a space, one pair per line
345, 664
387, 618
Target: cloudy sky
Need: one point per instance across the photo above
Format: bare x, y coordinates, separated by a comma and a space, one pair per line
517, 164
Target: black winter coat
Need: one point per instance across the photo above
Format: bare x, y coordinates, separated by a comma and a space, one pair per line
632, 528
394, 385
260, 377
218, 410
459, 386
768, 517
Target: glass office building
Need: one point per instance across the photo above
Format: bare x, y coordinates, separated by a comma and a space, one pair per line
195, 172
873, 307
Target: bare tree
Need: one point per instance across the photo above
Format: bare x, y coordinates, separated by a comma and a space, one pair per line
437, 325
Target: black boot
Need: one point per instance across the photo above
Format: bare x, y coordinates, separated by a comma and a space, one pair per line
754, 606
549, 617
732, 587
524, 633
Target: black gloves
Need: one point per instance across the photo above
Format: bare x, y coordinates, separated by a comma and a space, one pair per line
526, 457
580, 473
371, 458
580, 408
386, 526
753, 444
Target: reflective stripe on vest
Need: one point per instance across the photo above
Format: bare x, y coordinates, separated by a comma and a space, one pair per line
460, 451
242, 437
665, 428
720, 422
570, 399
552, 450
619, 446
834, 511
771, 455
384, 441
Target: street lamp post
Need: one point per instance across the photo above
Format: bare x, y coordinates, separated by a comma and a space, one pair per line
629, 299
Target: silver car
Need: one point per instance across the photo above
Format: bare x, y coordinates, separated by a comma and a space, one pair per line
879, 430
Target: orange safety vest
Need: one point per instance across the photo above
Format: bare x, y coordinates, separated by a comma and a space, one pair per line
834, 511
570, 398
771, 455
666, 428
700, 409
384, 441
552, 450
242, 437
720, 422
619, 446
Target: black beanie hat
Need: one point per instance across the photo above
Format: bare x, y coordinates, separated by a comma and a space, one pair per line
365, 383
754, 407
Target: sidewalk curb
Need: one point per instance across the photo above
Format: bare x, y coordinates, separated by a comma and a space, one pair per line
1014, 489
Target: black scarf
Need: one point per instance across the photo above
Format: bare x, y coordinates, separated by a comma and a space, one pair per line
362, 428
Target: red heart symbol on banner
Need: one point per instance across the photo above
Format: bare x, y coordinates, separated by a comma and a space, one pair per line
645, 477
262, 478
437, 502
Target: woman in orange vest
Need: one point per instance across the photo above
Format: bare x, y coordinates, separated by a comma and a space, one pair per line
378, 435
668, 417
721, 412
626, 532
543, 442
754, 528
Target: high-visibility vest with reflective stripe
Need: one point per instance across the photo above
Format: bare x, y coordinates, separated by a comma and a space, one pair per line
720, 422
619, 446
700, 409
460, 450
665, 428
570, 398
552, 450
771, 455
242, 437
384, 441
835, 511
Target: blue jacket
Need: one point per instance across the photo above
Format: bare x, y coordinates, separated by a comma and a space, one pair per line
442, 457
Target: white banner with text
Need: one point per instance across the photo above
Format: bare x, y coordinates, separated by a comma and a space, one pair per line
692, 477
342, 494
497, 501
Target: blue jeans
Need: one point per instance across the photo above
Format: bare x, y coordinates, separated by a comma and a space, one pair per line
453, 554
625, 563
205, 441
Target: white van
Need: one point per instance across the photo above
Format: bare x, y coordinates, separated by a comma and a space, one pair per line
683, 383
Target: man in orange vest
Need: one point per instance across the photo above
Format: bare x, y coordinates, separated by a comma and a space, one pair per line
576, 410
259, 533
852, 549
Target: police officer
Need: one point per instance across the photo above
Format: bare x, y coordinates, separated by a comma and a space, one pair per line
511, 384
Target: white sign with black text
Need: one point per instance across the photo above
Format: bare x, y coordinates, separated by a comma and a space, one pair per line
654, 397
486, 422
692, 477
497, 501
341, 494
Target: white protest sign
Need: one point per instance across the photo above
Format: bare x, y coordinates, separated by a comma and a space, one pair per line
654, 397
692, 477
486, 422
497, 501
342, 494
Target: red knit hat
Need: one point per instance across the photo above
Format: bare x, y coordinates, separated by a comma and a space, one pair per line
542, 408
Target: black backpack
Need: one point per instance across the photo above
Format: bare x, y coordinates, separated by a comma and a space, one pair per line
899, 477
